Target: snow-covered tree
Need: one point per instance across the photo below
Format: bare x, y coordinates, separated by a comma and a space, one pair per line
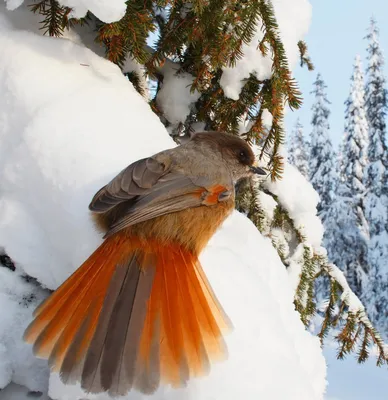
376, 181
298, 149
347, 233
322, 166
354, 158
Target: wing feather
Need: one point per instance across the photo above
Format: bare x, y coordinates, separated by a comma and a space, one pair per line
135, 180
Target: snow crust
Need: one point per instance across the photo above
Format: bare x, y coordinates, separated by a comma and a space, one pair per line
70, 121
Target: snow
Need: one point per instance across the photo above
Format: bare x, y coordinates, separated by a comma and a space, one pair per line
268, 204
253, 62
65, 133
267, 118
131, 65
106, 11
299, 198
17, 364
352, 300
18, 392
176, 108
13, 4
293, 18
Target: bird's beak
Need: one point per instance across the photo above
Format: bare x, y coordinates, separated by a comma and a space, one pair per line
257, 170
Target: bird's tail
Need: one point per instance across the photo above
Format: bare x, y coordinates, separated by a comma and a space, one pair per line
133, 315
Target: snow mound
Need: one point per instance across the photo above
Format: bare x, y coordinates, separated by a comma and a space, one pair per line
69, 121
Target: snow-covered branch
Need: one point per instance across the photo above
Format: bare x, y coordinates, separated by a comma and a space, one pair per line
358, 329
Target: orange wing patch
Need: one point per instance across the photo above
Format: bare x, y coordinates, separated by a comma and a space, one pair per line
215, 194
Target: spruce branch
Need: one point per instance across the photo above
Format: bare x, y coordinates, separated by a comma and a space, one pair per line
304, 299
136, 81
356, 316
129, 35
280, 89
56, 17
281, 71
350, 310
247, 202
343, 312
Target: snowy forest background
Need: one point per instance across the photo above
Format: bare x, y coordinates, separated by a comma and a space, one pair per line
353, 181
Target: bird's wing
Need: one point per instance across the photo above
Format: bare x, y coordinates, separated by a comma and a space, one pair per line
150, 189
135, 180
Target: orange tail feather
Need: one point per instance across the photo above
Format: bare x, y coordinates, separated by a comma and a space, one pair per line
134, 314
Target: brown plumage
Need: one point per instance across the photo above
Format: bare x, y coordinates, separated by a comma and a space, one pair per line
140, 311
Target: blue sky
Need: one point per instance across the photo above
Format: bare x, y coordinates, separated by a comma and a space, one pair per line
335, 38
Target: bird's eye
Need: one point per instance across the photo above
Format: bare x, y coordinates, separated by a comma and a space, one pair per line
242, 156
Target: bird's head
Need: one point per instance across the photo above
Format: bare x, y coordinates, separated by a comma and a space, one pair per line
236, 154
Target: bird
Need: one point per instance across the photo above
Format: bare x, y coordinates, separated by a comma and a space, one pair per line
140, 312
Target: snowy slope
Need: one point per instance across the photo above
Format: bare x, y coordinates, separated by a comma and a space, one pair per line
69, 121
